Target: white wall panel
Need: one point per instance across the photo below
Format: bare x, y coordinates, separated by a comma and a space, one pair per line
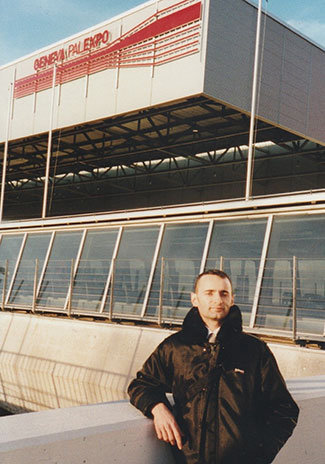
72, 103
101, 99
6, 76
131, 19
134, 89
22, 122
178, 79
42, 112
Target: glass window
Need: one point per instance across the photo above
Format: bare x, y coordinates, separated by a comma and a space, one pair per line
35, 248
238, 245
304, 238
56, 279
182, 250
93, 269
132, 269
9, 250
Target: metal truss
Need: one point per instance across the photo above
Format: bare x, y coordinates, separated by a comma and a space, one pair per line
184, 144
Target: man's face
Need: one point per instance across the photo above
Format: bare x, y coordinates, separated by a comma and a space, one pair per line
213, 297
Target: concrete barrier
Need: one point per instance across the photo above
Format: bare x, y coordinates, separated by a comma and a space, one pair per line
117, 433
97, 434
306, 446
48, 363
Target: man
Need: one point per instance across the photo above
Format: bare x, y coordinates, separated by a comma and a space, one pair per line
231, 403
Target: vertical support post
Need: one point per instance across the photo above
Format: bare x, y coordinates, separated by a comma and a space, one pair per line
49, 149
5, 153
161, 290
262, 269
206, 246
70, 287
153, 270
111, 293
35, 285
221, 263
110, 272
5, 275
248, 192
118, 64
294, 298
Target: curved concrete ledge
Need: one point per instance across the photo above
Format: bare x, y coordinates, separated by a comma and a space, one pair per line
117, 433
97, 434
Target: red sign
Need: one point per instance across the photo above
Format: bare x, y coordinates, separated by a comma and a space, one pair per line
72, 50
167, 35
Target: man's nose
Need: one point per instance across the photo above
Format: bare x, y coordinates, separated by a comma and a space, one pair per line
217, 297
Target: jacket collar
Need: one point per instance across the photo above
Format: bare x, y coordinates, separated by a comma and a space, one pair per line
195, 331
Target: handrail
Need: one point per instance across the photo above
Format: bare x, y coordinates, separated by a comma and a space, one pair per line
286, 303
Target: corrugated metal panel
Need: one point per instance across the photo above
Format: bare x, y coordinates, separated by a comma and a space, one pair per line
292, 85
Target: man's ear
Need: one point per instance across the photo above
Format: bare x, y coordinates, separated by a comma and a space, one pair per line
193, 299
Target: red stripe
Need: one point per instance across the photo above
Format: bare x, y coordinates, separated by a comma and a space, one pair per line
165, 24
121, 51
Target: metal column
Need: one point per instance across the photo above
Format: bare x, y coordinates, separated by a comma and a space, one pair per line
248, 192
49, 149
5, 153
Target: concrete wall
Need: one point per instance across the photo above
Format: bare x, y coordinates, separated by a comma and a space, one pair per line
48, 362
118, 433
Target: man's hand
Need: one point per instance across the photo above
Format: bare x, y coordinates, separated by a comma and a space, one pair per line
166, 426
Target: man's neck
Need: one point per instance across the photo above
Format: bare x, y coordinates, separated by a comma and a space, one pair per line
213, 325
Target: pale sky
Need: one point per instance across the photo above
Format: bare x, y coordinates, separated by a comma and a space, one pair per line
28, 25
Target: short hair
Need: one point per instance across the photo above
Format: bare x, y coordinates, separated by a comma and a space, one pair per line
216, 272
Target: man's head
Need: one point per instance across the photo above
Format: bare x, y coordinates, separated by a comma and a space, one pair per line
213, 297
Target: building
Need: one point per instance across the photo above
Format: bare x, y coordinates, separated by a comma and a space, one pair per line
125, 169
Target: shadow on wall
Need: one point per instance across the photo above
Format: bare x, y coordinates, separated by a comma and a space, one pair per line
35, 372
29, 383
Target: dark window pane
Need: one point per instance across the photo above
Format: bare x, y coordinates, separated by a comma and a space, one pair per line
132, 269
56, 280
9, 250
238, 244
93, 269
304, 238
35, 248
182, 250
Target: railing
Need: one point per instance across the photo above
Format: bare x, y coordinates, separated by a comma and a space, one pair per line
289, 299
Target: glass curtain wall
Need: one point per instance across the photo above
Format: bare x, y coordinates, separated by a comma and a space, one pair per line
182, 249
92, 274
56, 280
236, 247
295, 265
23, 287
132, 270
154, 269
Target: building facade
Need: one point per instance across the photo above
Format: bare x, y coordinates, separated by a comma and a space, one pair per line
125, 169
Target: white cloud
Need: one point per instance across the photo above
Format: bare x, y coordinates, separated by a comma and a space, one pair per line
313, 29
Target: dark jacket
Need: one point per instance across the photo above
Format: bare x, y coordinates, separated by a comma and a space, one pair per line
231, 401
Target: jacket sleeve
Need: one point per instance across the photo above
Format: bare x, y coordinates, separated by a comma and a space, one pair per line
152, 383
277, 409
